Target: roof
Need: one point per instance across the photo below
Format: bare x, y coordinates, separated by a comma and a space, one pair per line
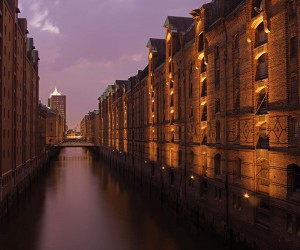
158, 48
55, 93
178, 24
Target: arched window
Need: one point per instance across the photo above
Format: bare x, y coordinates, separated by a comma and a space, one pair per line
217, 161
237, 169
261, 36
262, 67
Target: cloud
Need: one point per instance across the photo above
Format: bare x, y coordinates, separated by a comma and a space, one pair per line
48, 26
40, 19
137, 57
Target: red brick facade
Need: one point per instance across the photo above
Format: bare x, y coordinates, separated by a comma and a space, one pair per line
215, 116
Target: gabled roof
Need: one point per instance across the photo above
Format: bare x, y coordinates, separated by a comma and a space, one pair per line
178, 24
158, 47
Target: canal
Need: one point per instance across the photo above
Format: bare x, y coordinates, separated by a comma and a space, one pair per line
81, 204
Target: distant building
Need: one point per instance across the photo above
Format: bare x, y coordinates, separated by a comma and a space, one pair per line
54, 127
57, 101
90, 127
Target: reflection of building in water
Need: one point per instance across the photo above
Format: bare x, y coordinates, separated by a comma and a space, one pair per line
217, 109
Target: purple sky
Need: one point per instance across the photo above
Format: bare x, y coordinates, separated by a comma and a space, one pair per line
86, 45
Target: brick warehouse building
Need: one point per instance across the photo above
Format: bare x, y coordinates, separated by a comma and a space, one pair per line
213, 120
21, 120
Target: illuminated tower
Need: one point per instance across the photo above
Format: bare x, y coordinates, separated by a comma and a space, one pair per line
57, 101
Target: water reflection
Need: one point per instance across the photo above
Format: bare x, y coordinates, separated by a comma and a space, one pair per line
81, 205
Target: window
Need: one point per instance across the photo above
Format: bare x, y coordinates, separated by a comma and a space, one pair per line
204, 89
294, 90
293, 131
217, 52
292, 10
235, 42
201, 43
218, 131
203, 66
262, 102
262, 67
172, 100
217, 106
217, 161
179, 132
191, 89
204, 113
261, 36
294, 47
217, 78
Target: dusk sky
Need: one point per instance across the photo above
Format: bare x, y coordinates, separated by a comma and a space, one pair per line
86, 45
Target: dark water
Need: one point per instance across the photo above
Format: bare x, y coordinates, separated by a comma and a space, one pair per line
81, 205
